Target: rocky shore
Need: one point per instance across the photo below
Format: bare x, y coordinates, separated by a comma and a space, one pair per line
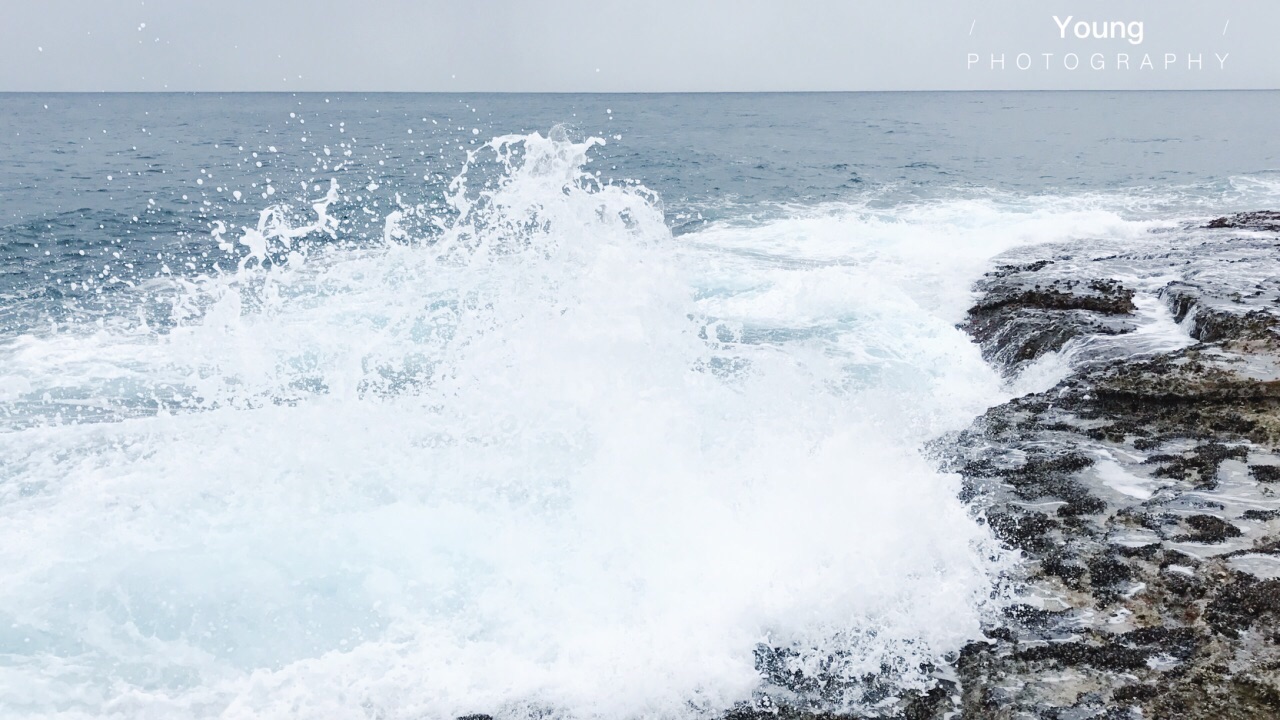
1142, 488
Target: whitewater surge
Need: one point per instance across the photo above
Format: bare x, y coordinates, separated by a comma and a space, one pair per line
529, 455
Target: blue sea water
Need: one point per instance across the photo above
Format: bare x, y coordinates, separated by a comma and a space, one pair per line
532, 405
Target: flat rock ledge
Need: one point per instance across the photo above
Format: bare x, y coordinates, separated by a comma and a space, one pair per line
1143, 490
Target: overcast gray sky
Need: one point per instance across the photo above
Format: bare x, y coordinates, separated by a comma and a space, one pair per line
637, 46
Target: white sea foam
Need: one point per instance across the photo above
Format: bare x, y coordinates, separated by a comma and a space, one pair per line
549, 459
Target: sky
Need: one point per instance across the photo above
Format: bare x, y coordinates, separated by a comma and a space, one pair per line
635, 46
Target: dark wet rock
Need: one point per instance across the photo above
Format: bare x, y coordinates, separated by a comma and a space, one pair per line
1209, 529
1242, 603
1266, 220
1031, 616
1024, 530
1135, 486
1022, 317
787, 712
1135, 693
1217, 317
1105, 657
1265, 473
1105, 571
803, 686
1200, 466
935, 703
1208, 695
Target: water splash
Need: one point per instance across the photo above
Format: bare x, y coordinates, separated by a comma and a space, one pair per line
530, 454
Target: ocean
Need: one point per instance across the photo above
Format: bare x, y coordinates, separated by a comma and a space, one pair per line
555, 406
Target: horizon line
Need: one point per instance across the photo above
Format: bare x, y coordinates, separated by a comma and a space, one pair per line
630, 92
